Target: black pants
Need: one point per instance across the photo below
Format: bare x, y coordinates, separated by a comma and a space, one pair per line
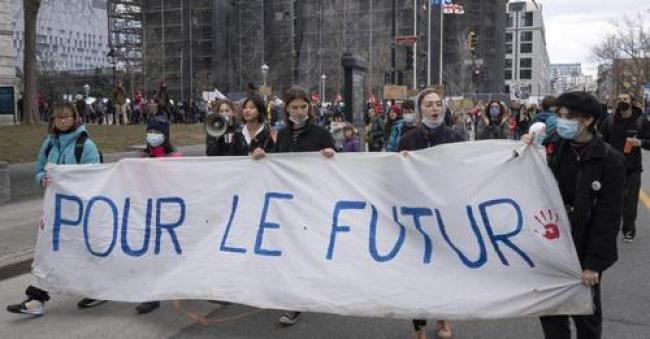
587, 326
36, 293
631, 201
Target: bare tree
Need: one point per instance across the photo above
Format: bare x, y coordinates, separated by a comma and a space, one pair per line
30, 67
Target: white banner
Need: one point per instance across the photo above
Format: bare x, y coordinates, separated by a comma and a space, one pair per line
459, 231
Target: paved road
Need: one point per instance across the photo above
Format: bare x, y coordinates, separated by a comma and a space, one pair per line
626, 302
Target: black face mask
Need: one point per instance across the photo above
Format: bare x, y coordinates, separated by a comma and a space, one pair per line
623, 106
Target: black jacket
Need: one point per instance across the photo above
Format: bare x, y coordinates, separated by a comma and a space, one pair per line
486, 130
312, 139
423, 137
616, 130
597, 191
234, 143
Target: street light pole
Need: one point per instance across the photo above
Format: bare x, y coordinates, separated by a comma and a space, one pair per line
323, 78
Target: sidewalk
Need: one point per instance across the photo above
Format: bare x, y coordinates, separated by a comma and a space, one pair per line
20, 217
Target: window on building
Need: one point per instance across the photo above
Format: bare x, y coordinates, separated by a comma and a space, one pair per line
526, 48
508, 63
508, 37
508, 48
527, 36
509, 20
527, 19
525, 74
508, 74
526, 63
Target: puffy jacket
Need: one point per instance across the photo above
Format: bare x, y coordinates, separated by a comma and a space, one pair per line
312, 139
62, 151
485, 131
399, 129
423, 137
597, 204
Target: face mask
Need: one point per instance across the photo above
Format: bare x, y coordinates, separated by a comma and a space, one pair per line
409, 117
155, 139
623, 106
494, 112
431, 123
567, 129
298, 122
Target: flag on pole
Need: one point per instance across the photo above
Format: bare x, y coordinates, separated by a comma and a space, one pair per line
453, 9
440, 2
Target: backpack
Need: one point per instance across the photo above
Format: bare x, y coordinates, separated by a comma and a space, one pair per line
78, 148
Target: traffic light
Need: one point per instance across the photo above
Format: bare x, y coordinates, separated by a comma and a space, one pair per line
472, 40
476, 75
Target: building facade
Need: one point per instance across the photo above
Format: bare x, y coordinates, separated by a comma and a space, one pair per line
8, 91
70, 35
569, 77
527, 67
303, 40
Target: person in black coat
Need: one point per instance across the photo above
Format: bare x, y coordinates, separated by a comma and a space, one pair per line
591, 177
300, 135
432, 131
628, 130
230, 143
493, 123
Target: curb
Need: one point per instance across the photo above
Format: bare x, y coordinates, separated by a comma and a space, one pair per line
20, 267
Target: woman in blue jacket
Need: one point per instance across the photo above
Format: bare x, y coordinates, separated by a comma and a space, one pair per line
67, 143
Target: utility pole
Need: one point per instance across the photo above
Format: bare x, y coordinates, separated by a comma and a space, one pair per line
162, 29
429, 7
415, 44
442, 40
392, 51
191, 52
370, 50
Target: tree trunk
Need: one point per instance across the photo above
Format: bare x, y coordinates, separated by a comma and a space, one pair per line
30, 111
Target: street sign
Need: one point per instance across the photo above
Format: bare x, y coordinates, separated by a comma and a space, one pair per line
406, 40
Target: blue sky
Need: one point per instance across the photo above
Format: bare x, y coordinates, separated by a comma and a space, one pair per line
574, 26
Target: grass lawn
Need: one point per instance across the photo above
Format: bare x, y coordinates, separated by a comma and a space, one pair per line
21, 143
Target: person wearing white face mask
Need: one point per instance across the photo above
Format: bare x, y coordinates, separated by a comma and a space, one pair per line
430, 112
591, 177
401, 127
158, 141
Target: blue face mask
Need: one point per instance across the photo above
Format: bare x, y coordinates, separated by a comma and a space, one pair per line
567, 129
494, 112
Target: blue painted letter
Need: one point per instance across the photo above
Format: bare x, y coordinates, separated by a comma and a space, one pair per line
169, 227
110, 204
125, 225
233, 210
373, 237
417, 213
264, 224
482, 258
341, 205
495, 238
58, 218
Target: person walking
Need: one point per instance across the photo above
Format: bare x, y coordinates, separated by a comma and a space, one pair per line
591, 178
432, 131
68, 143
628, 130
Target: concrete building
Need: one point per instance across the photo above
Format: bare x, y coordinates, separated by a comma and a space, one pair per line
569, 77
179, 40
8, 93
304, 40
527, 67
70, 35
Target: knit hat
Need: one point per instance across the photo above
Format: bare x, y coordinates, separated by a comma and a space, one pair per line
159, 123
580, 102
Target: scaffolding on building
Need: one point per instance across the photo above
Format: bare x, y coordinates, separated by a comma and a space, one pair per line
126, 42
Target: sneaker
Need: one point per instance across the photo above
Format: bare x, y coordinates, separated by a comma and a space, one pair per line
88, 303
29, 306
147, 307
290, 318
628, 237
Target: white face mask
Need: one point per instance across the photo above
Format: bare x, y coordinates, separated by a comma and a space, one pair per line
299, 122
155, 139
431, 123
409, 117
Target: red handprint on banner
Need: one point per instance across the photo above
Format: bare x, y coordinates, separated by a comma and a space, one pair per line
549, 221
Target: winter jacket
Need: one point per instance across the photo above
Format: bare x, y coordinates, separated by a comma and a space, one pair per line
62, 151
485, 131
313, 138
351, 145
616, 130
399, 129
375, 134
424, 137
593, 196
542, 116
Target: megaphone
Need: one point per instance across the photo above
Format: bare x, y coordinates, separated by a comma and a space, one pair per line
216, 125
